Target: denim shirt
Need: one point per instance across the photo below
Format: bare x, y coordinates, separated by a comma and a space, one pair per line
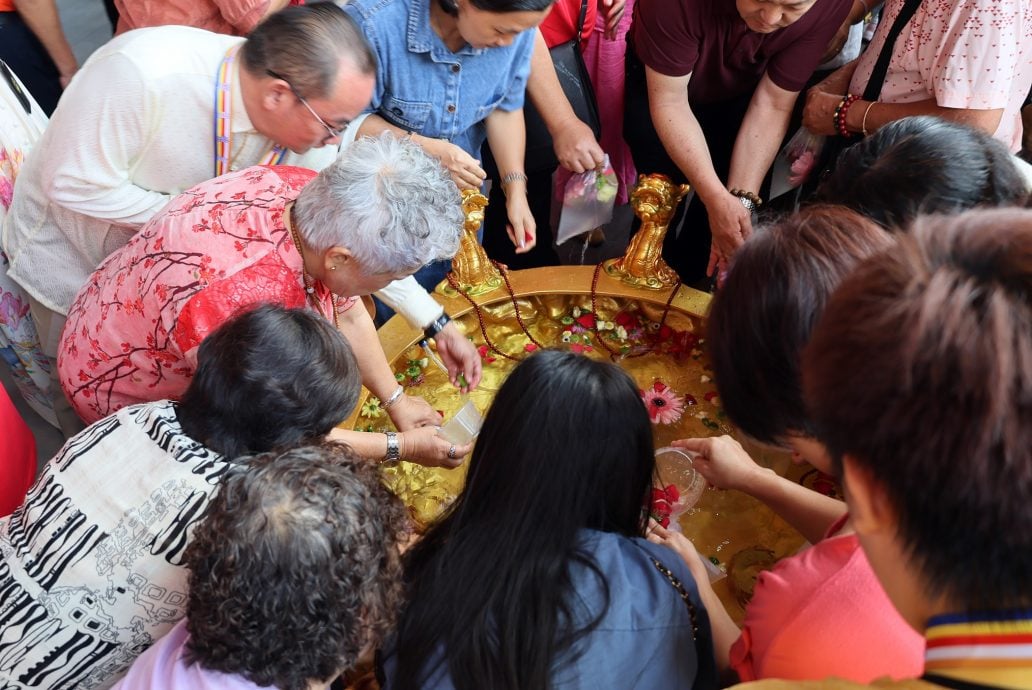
644, 639
425, 88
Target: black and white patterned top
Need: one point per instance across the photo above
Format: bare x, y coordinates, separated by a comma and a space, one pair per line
91, 564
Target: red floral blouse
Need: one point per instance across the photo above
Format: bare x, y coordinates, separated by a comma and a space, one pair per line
216, 249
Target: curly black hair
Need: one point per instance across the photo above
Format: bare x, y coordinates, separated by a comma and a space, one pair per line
295, 569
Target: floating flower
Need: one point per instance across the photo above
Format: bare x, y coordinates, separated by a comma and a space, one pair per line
371, 408
485, 354
664, 406
664, 500
530, 347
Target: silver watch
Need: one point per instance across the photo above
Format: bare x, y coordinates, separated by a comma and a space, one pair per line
749, 204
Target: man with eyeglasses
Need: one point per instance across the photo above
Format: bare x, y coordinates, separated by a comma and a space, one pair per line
158, 110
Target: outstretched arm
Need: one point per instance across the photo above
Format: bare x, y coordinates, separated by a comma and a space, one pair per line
573, 141
726, 465
682, 137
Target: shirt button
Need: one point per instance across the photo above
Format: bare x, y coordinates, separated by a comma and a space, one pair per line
455, 68
451, 107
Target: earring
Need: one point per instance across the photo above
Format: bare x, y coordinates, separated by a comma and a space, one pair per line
333, 267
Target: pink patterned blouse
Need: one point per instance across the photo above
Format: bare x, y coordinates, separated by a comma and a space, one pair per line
216, 249
975, 54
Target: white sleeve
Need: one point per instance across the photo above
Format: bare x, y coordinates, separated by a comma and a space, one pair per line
350, 133
409, 299
90, 155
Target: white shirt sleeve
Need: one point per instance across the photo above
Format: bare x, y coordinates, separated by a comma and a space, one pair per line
410, 300
88, 166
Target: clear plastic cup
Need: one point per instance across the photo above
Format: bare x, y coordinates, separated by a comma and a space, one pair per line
674, 466
464, 426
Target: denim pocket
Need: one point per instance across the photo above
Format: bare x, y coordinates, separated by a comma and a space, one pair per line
409, 115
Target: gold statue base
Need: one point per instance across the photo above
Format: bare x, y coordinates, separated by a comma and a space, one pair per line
659, 277
477, 289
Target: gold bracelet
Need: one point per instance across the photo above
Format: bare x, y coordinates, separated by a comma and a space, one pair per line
863, 125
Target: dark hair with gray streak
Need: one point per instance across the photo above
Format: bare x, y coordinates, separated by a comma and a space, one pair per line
304, 46
295, 570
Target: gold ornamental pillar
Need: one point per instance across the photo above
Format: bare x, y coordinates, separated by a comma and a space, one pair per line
472, 270
654, 200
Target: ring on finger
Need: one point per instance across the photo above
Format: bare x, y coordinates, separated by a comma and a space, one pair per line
451, 452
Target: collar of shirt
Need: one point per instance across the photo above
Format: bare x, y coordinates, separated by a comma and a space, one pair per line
240, 122
423, 39
971, 645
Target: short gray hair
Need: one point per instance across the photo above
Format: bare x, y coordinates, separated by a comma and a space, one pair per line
387, 201
304, 45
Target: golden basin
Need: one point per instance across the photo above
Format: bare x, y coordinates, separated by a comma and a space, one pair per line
655, 334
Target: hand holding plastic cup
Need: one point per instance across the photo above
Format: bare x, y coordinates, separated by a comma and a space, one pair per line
464, 426
674, 466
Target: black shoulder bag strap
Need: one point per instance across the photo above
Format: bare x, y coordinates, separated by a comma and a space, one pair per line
15, 89
580, 20
881, 67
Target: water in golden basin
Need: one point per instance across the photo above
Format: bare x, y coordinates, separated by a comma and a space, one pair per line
666, 357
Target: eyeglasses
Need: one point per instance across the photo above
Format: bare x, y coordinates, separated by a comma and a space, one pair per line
332, 131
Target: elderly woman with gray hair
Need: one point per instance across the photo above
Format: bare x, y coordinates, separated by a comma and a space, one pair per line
278, 235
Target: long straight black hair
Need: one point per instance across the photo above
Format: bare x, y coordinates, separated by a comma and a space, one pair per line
566, 446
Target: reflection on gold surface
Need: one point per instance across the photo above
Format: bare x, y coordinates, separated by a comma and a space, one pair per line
654, 200
723, 523
473, 271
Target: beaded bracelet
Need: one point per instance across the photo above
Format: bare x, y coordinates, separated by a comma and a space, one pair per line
839, 118
753, 199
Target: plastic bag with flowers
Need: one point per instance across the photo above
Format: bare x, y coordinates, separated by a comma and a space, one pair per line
796, 161
587, 201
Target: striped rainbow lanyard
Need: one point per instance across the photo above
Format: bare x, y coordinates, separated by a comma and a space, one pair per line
999, 640
224, 119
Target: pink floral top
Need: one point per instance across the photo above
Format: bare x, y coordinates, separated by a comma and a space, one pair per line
216, 249
975, 54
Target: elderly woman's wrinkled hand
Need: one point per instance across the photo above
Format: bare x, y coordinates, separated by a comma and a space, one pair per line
459, 356
819, 113
412, 412
425, 447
